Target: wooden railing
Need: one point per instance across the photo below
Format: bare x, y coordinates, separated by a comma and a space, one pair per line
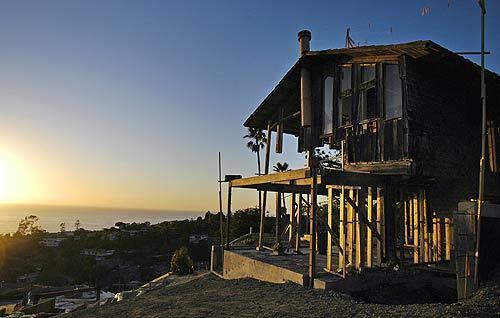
375, 140
362, 142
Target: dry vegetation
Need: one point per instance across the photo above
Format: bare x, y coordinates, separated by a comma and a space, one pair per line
210, 296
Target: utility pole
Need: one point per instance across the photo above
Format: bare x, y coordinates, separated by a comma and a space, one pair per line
482, 163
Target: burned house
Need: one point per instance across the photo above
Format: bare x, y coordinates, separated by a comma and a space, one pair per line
406, 119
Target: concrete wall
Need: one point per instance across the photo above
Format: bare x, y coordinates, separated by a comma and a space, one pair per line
238, 266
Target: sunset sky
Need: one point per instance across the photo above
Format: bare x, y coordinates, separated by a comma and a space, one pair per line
126, 103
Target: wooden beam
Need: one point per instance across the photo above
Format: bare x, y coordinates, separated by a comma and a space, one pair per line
339, 177
270, 178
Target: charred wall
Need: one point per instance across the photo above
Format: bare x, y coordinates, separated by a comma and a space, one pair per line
444, 122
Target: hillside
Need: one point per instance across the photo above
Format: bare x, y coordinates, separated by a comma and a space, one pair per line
210, 296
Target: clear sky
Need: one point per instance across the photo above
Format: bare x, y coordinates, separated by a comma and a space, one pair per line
126, 103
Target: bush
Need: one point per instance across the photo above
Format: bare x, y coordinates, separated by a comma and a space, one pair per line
181, 263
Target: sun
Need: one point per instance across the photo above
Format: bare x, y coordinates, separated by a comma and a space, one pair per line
10, 176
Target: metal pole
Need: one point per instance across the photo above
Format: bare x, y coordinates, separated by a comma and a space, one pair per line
482, 163
221, 218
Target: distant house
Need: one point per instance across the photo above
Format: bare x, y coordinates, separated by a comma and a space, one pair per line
28, 278
52, 241
197, 238
99, 254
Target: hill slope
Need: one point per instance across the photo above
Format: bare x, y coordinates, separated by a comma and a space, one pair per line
210, 296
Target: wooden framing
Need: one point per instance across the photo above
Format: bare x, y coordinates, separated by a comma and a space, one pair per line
369, 241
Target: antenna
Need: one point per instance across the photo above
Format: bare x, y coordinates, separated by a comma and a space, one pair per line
349, 42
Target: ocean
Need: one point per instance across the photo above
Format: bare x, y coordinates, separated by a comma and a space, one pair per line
91, 218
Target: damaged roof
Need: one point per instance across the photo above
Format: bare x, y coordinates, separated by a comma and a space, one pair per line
286, 92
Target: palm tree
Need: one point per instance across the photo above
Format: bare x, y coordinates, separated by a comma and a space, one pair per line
257, 141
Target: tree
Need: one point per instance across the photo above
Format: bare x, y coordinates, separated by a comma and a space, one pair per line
77, 225
28, 226
257, 141
181, 263
62, 227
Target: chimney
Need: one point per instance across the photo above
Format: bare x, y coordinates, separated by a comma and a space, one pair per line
304, 37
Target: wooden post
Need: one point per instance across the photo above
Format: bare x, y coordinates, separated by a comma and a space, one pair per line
421, 226
278, 218
439, 239
448, 236
342, 217
425, 225
297, 232
380, 225
369, 241
312, 227
434, 238
416, 250
228, 216
360, 230
293, 210
329, 254
406, 211
350, 230
264, 196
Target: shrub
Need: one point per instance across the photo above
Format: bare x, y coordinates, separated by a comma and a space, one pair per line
181, 263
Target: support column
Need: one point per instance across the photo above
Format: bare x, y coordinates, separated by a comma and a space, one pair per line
342, 218
350, 230
278, 219
369, 238
264, 196
293, 226
416, 249
425, 226
421, 226
312, 227
297, 232
380, 225
360, 230
228, 216
329, 254
448, 235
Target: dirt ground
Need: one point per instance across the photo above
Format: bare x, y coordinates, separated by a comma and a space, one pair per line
211, 296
